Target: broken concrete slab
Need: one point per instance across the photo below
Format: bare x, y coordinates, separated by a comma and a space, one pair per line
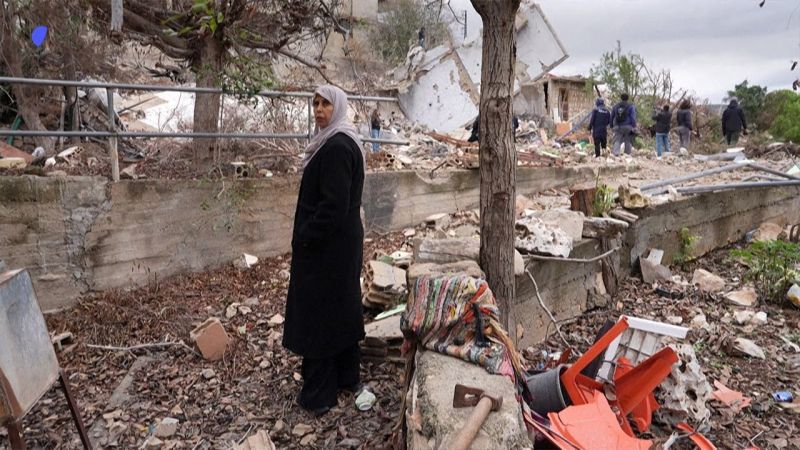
748, 348
438, 221
684, 394
449, 250
433, 422
707, 281
468, 267
652, 272
245, 261
599, 227
12, 163
522, 203
211, 339
571, 222
745, 297
538, 237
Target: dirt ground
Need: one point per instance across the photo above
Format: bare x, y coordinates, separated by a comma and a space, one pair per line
253, 388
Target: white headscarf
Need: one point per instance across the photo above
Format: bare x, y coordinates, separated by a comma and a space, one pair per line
338, 123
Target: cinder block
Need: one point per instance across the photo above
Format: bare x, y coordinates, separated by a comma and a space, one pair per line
28, 364
211, 339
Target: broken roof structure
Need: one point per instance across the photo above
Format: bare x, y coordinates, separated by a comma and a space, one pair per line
440, 88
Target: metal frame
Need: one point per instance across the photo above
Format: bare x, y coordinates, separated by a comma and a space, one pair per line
114, 135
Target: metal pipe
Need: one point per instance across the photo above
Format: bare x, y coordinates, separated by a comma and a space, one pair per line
723, 187
153, 134
113, 155
773, 171
151, 87
691, 176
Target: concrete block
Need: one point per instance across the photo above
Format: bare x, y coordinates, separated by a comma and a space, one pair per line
442, 251
468, 267
211, 339
571, 222
433, 422
743, 297
539, 237
28, 364
684, 394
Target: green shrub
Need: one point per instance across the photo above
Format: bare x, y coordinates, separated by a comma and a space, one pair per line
774, 103
686, 252
787, 123
603, 200
771, 265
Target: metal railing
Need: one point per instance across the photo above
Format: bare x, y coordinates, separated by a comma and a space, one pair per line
114, 134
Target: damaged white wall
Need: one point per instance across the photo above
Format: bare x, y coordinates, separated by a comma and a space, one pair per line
538, 51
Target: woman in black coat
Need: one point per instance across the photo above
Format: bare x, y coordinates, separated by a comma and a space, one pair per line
324, 320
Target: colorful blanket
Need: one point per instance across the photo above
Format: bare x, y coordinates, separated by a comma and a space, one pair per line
441, 316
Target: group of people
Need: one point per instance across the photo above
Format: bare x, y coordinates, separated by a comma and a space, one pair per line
622, 120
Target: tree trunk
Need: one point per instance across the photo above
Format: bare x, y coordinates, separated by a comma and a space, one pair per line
207, 68
27, 103
498, 155
73, 110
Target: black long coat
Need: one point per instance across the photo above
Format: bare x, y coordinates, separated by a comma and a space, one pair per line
323, 307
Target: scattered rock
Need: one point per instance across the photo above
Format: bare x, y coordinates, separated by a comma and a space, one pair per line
277, 319
746, 297
153, 442
349, 443
760, 318
12, 163
208, 374
129, 173
749, 348
743, 317
167, 427
541, 238
675, 320
769, 231
632, 197
707, 281
522, 203
699, 322
409, 232
245, 261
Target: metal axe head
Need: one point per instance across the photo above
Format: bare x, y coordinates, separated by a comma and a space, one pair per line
464, 396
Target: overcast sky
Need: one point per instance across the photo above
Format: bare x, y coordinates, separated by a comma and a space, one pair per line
708, 45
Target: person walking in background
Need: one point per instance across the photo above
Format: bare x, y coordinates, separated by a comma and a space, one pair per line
623, 121
375, 129
598, 125
733, 122
324, 317
684, 119
421, 37
663, 121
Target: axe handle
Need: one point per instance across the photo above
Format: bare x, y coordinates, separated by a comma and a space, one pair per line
472, 425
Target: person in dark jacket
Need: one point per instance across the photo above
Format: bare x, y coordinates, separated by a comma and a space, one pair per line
476, 129
684, 119
324, 320
375, 129
733, 122
623, 121
663, 121
598, 125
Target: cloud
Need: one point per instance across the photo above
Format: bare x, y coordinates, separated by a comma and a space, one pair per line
707, 45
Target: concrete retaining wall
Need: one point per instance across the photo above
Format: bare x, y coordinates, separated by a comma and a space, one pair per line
718, 219
78, 234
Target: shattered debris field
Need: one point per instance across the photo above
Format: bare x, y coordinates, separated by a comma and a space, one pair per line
714, 328
218, 403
